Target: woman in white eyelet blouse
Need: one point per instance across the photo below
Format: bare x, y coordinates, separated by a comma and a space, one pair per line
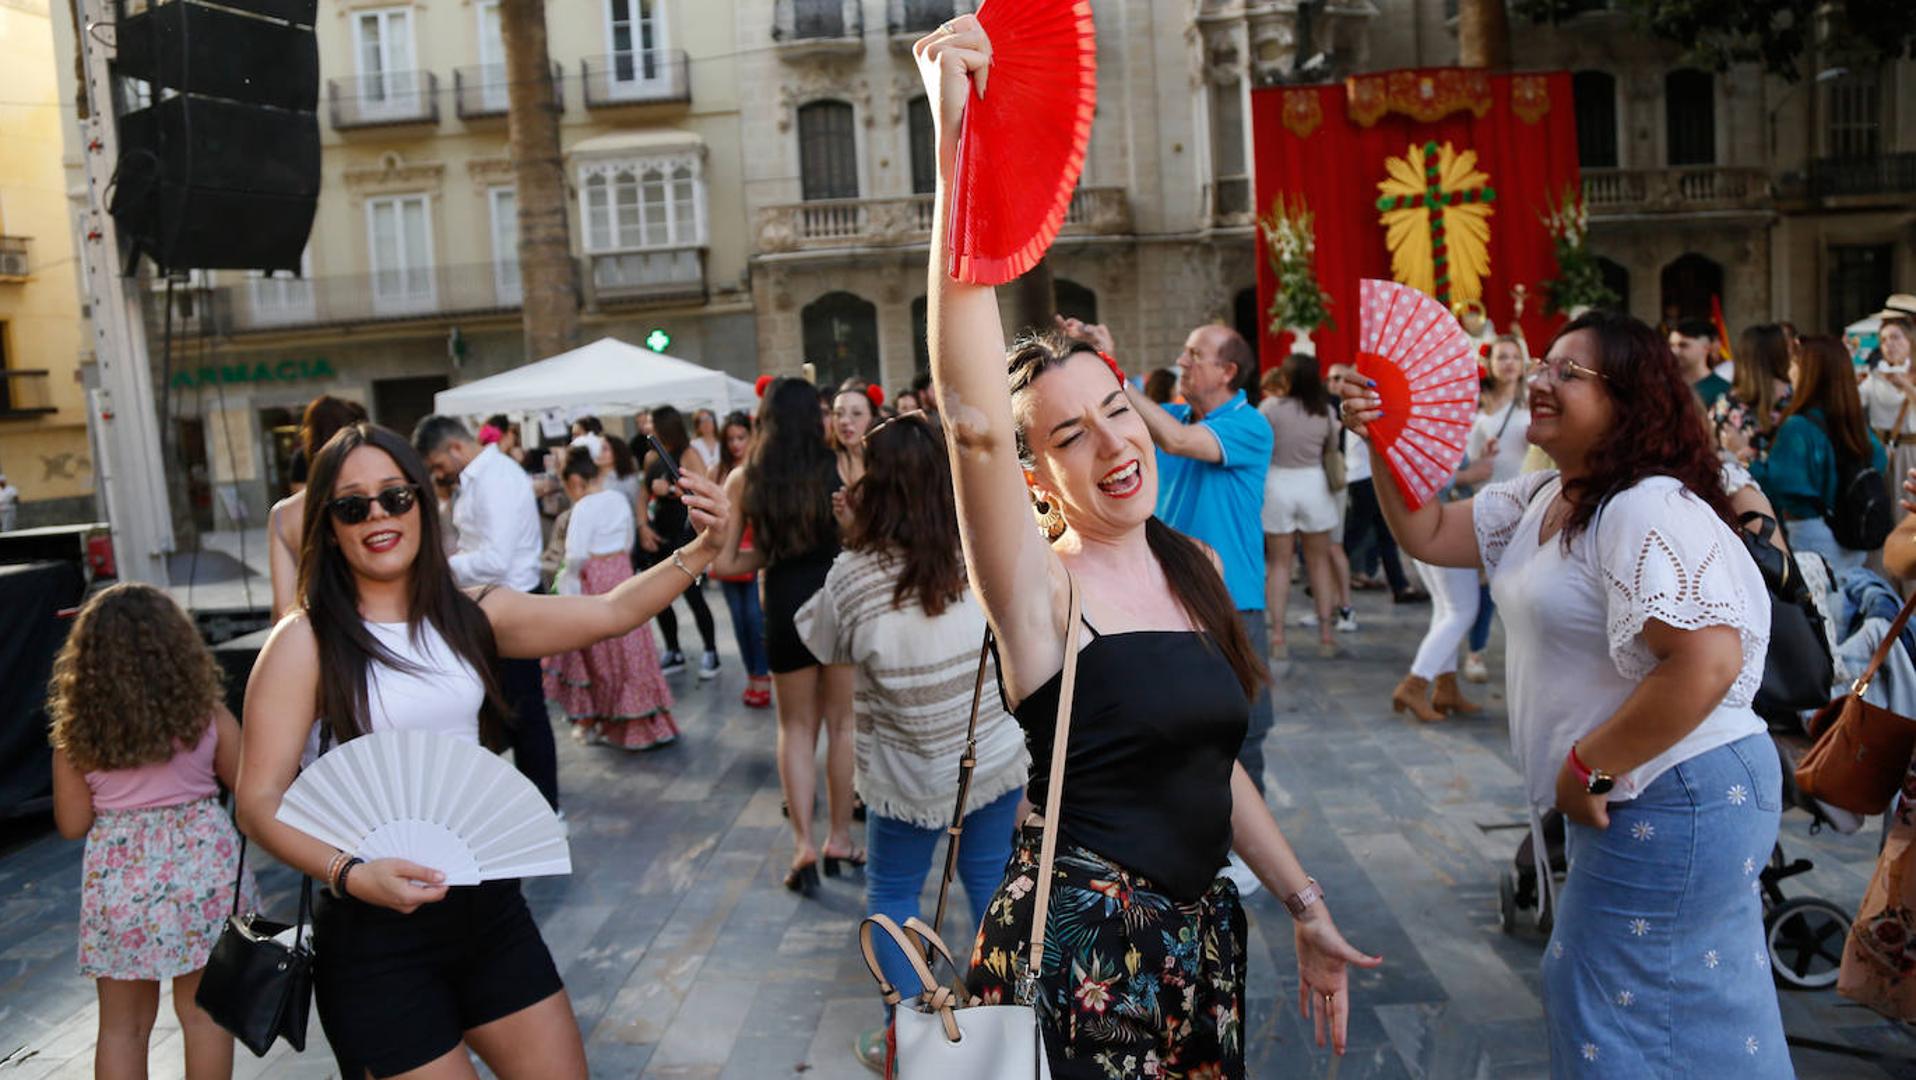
1637, 626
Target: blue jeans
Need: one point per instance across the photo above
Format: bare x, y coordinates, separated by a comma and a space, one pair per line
1813, 534
1486, 610
748, 625
899, 859
1251, 754
1657, 964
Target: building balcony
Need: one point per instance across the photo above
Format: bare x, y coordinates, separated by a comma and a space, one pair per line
636, 78
25, 394
818, 27
1883, 174
267, 305
480, 91
837, 224
13, 258
1614, 193
383, 100
908, 20
646, 274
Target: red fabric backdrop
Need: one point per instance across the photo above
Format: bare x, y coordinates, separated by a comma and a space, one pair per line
1529, 152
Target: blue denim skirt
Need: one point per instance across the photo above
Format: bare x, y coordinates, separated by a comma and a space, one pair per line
1657, 964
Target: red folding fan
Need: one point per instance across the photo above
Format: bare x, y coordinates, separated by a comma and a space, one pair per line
1426, 374
1021, 147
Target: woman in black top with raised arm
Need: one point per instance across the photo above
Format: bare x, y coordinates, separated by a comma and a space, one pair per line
1144, 959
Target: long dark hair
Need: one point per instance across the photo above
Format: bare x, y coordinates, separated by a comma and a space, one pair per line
623, 463
1658, 430
903, 508
1188, 569
1826, 381
1762, 357
726, 462
330, 596
323, 418
1303, 383
668, 424
788, 481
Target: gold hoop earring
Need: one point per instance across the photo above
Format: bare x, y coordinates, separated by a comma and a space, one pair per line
1050, 520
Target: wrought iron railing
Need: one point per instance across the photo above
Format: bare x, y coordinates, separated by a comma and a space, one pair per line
1883, 174
636, 78
383, 99
798, 21
481, 90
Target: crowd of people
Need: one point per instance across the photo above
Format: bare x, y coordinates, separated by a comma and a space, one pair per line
1031, 519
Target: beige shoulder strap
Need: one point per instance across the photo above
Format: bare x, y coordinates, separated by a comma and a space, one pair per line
1054, 787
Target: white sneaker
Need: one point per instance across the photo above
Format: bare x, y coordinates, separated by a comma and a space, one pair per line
708, 666
1241, 876
1307, 620
1474, 669
1346, 620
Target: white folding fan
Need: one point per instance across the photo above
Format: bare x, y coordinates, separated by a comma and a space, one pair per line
1425, 369
430, 799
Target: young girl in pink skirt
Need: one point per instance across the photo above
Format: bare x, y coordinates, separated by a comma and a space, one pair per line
614, 690
141, 742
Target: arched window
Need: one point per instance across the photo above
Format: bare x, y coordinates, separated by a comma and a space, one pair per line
924, 146
1689, 111
827, 151
1074, 301
1595, 94
1688, 284
1244, 318
841, 338
1617, 280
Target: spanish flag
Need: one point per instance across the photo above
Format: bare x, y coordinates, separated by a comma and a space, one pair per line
1722, 331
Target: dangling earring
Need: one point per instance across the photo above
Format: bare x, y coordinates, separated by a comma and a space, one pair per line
1050, 520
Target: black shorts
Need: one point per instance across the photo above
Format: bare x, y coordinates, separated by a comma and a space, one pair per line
397, 991
788, 585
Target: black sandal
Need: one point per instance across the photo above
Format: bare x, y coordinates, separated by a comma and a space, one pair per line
803, 880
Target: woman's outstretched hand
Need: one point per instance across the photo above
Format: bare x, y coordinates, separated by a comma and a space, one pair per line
708, 508
1360, 405
1323, 974
952, 60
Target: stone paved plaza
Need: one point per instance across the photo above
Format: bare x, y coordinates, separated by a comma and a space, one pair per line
685, 958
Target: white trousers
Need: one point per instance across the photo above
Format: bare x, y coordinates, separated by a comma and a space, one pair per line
1453, 607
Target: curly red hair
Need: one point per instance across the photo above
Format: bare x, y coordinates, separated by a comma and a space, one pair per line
1659, 429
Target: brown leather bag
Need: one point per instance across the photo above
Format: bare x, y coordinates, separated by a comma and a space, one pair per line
1862, 751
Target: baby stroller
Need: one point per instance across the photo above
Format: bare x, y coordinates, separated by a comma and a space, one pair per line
1804, 934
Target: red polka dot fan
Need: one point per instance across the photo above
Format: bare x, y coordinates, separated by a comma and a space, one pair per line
1021, 147
1426, 374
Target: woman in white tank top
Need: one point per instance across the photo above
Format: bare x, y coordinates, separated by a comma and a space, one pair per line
409, 972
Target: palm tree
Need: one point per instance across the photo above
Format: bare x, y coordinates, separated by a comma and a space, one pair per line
1483, 35
549, 274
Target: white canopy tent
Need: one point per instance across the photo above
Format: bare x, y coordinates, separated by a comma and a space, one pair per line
607, 376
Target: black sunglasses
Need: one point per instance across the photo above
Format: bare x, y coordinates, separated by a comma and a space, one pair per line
353, 509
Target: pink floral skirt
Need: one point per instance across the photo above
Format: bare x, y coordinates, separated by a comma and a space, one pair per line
156, 887
614, 685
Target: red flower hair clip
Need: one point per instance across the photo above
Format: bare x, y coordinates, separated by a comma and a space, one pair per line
876, 395
764, 382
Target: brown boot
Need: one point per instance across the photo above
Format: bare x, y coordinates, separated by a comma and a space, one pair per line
1446, 697
1414, 694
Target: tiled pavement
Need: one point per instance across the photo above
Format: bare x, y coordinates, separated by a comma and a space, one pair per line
686, 959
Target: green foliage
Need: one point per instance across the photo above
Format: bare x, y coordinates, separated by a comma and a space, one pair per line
1773, 33
1290, 241
1580, 281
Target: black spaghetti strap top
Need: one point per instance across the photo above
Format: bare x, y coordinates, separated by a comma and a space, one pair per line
1155, 729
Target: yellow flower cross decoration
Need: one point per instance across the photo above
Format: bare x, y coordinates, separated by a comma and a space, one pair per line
1437, 221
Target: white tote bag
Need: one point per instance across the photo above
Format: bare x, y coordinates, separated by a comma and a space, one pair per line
942, 1033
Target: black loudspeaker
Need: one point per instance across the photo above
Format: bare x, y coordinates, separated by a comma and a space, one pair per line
222, 171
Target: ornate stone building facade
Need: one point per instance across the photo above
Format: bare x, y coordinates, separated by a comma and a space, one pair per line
838, 165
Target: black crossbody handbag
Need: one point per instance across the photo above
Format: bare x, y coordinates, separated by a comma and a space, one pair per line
253, 986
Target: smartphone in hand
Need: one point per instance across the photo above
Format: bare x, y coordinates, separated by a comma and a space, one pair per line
671, 467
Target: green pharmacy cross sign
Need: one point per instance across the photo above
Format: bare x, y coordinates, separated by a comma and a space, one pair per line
658, 340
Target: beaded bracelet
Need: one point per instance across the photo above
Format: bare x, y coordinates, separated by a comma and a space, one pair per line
338, 886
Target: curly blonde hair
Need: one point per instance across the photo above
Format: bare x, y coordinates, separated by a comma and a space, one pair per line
134, 682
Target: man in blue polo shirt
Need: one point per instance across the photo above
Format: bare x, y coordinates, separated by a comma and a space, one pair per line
1213, 452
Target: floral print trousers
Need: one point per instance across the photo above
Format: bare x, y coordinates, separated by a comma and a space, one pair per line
1134, 984
1657, 964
